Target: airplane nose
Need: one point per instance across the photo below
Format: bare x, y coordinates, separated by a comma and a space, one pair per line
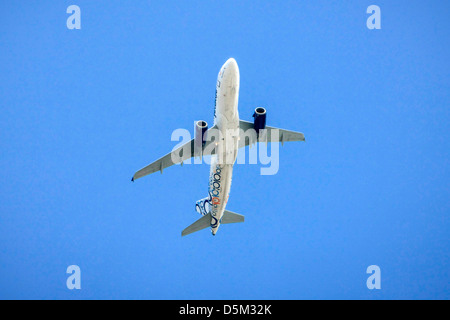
229, 67
229, 74
231, 64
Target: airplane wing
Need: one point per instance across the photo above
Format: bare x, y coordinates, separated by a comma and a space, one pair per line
181, 154
249, 136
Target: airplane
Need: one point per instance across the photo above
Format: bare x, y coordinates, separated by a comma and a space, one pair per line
230, 133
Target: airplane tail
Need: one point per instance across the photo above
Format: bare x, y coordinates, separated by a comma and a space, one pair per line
205, 222
231, 217
203, 206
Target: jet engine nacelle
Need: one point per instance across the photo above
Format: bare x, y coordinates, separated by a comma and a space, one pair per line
260, 119
200, 133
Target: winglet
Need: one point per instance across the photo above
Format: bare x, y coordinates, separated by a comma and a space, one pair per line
132, 179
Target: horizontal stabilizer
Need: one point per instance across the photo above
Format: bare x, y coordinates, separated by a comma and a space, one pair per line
231, 217
200, 224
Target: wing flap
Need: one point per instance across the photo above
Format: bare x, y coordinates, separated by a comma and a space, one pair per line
248, 134
179, 155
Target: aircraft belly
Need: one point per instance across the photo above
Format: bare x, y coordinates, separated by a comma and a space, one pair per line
219, 189
227, 121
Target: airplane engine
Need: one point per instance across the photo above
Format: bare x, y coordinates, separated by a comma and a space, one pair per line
260, 119
200, 133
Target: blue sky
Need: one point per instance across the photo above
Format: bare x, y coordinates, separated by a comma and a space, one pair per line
82, 110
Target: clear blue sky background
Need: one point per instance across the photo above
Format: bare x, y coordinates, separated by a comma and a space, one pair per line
82, 110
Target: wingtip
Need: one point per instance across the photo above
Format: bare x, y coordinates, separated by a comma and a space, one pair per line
132, 179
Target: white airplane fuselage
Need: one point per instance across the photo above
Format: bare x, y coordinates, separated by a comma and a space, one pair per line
226, 118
